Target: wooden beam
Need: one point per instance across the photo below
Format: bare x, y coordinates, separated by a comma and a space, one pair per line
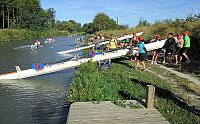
150, 93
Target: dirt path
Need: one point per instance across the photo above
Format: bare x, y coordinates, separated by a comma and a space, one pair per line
186, 76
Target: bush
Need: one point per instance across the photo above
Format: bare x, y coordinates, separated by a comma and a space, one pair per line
22, 34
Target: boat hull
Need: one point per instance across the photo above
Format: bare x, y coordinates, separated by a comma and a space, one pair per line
73, 63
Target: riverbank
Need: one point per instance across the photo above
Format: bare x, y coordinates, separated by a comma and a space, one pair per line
8, 35
123, 82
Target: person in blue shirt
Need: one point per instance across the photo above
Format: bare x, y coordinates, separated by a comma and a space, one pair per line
141, 50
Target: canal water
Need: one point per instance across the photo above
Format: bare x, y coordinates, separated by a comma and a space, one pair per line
36, 100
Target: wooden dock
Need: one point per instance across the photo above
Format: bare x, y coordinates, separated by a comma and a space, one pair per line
108, 113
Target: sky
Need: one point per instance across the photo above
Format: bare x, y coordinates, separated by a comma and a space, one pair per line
127, 11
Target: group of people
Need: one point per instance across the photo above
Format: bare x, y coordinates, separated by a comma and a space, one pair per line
95, 38
175, 48
136, 43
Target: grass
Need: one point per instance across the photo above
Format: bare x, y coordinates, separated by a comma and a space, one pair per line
175, 114
182, 82
7, 35
123, 82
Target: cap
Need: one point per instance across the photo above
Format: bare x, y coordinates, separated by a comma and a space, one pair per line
186, 32
180, 36
140, 39
158, 36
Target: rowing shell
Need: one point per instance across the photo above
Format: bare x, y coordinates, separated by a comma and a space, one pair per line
93, 45
129, 36
20, 74
81, 48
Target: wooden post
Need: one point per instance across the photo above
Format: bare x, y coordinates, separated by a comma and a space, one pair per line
150, 92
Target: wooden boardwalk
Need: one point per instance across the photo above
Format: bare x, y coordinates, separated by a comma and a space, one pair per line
108, 113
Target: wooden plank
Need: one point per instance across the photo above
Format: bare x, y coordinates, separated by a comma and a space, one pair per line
108, 113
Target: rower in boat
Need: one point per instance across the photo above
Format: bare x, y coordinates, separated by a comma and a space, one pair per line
36, 45
33, 47
49, 40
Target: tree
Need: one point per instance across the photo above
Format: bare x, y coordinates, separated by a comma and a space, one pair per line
143, 22
88, 28
101, 22
70, 26
123, 26
25, 14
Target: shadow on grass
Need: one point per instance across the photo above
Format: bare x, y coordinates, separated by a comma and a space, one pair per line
121, 61
163, 93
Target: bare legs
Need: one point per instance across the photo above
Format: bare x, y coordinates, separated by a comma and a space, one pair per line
138, 64
155, 57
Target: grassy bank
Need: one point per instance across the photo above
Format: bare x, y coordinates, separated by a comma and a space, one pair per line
7, 35
161, 27
123, 82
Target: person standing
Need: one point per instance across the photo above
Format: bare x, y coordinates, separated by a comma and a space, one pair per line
170, 46
157, 51
186, 46
180, 42
141, 49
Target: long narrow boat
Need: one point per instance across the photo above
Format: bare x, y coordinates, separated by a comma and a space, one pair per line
20, 74
129, 36
93, 45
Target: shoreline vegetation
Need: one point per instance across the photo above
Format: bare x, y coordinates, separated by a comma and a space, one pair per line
9, 35
124, 82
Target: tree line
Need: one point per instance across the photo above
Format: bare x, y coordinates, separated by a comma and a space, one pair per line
28, 14
102, 22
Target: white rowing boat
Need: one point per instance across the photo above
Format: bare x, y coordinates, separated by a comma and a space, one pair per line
20, 74
129, 36
93, 45
81, 48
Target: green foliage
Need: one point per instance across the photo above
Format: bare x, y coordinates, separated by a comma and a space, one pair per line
143, 22
91, 85
70, 26
26, 14
102, 22
162, 27
88, 28
124, 82
22, 34
175, 114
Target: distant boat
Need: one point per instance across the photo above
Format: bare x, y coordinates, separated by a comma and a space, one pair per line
50, 40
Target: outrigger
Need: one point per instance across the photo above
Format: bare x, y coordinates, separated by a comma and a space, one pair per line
20, 74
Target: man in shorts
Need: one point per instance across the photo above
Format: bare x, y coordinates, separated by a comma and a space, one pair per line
186, 46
